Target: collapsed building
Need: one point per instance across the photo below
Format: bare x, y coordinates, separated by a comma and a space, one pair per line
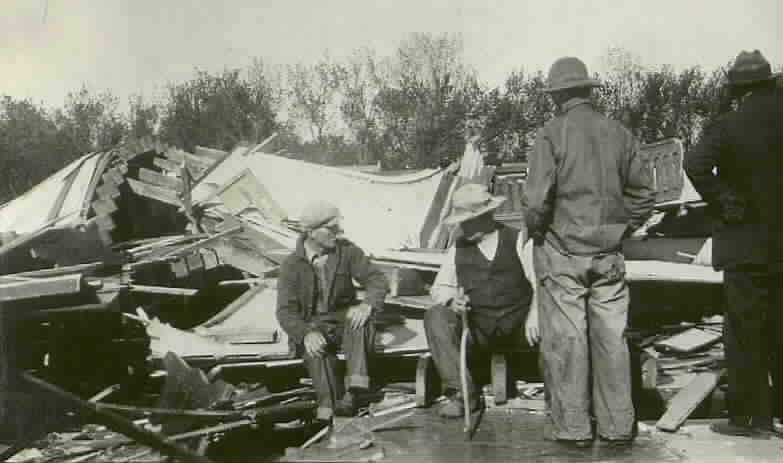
145, 275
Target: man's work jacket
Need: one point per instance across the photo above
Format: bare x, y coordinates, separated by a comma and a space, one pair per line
737, 167
587, 184
297, 286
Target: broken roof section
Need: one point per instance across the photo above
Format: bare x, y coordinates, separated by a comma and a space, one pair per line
400, 203
59, 199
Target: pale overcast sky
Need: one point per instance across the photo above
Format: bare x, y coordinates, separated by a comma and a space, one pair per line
136, 46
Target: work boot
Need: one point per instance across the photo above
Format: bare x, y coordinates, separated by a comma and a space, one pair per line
575, 443
347, 406
735, 428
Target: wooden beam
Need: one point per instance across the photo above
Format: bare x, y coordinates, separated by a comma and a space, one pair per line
686, 401
79, 309
104, 207
107, 190
166, 164
158, 179
203, 243
238, 151
84, 269
117, 422
262, 145
113, 176
162, 290
199, 163
154, 192
66, 187
209, 153
54, 286
104, 222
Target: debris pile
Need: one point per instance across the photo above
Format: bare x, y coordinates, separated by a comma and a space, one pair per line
143, 297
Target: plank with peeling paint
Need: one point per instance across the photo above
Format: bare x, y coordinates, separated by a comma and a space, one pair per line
41, 287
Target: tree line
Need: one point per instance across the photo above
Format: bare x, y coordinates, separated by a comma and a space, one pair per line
411, 109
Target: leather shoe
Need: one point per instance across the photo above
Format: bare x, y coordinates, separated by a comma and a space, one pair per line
618, 443
576, 443
347, 406
730, 428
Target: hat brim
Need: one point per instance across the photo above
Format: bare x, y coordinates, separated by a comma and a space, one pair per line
585, 83
744, 83
459, 217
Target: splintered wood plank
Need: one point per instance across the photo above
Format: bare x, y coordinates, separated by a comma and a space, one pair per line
686, 401
162, 290
245, 194
203, 243
688, 341
166, 164
154, 192
54, 286
209, 153
113, 176
180, 156
104, 207
155, 178
108, 190
104, 222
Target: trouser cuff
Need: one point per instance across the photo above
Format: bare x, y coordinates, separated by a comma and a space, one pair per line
324, 413
361, 381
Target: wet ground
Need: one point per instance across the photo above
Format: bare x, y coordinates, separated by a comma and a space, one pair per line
508, 435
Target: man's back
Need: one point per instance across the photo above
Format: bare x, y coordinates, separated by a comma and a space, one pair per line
747, 148
756, 133
597, 184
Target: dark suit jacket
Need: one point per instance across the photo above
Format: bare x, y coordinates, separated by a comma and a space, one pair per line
746, 148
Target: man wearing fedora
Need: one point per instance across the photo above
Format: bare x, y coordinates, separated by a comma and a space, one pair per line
483, 274
317, 307
736, 168
587, 188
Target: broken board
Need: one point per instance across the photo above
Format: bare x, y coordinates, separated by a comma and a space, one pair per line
686, 401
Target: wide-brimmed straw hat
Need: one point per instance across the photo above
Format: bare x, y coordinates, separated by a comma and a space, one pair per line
569, 72
471, 200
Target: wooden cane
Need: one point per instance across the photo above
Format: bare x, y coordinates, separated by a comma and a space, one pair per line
463, 367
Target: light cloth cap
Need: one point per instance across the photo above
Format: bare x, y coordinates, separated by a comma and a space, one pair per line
318, 213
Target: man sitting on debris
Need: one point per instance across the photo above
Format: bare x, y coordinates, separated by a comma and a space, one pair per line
318, 308
484, 274
736, 168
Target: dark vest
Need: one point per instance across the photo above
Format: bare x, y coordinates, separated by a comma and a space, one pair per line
496, 287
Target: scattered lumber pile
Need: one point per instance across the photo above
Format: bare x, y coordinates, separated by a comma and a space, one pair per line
683, 364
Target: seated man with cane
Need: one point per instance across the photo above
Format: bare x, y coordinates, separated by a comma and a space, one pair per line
318, 308
483, 274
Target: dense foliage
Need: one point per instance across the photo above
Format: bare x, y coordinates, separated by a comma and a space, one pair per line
413, 108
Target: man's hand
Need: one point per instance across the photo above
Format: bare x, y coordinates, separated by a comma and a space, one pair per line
358, 315
461, 302
532, 333
314, 343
